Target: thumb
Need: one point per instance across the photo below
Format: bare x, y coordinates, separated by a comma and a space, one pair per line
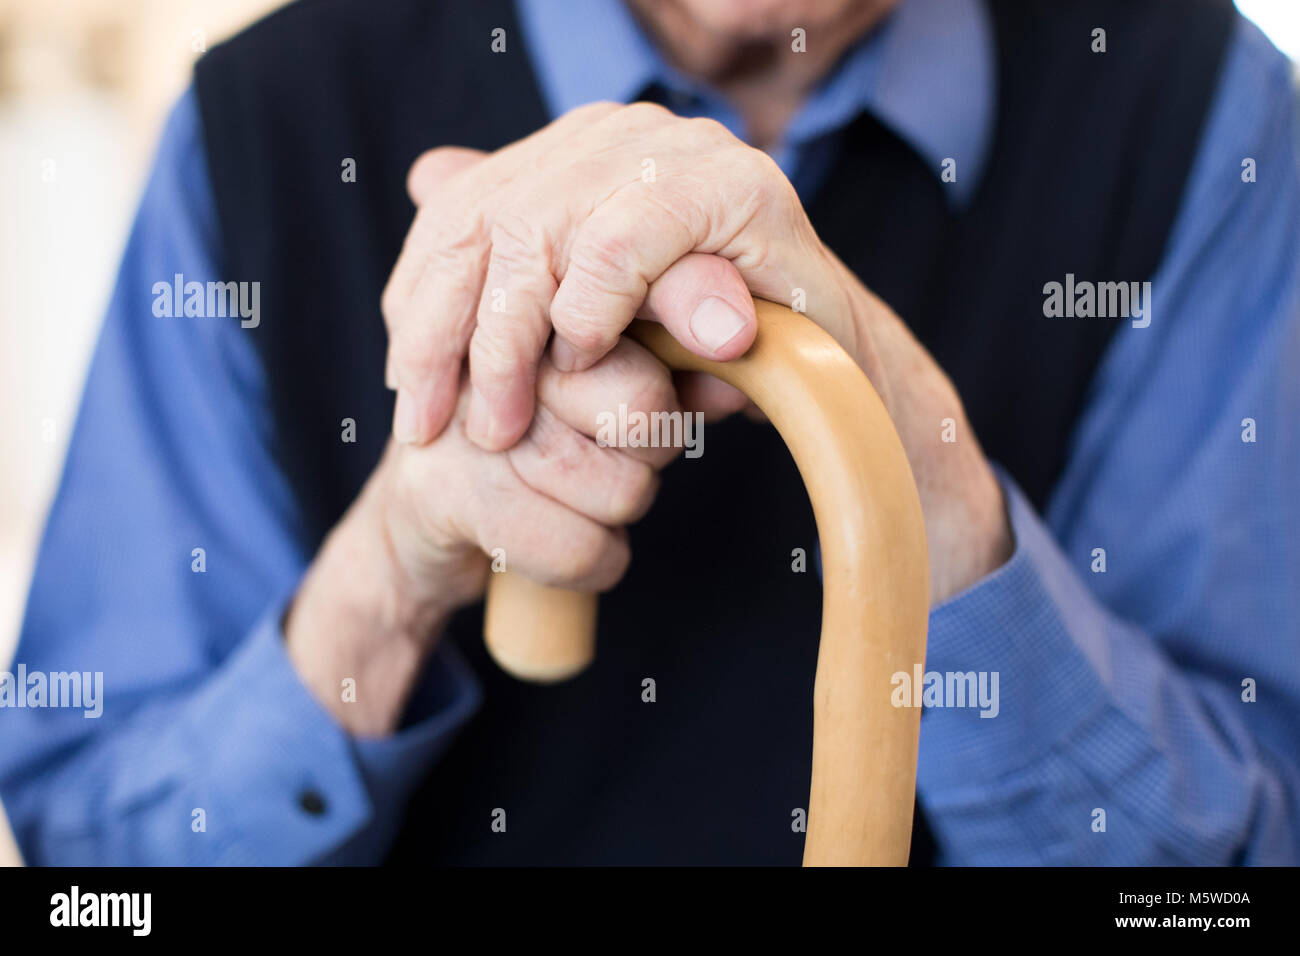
702, 300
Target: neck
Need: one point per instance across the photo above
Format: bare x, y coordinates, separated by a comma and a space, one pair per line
763, 72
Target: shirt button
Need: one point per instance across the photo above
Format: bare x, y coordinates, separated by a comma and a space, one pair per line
312, 802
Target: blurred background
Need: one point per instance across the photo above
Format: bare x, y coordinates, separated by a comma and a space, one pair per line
84, 88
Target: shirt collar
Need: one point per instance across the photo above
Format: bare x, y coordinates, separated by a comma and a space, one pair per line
587, 50
927, 72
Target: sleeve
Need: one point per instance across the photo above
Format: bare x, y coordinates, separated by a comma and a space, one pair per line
1142, 642
168, 557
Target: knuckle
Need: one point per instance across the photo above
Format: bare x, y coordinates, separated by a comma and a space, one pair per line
592, 111
602, 255
513, 228
584, 334
415, 355
771, 187
518, 245
597, 273
495, 485
454, 242
681, 214
600, 269
391, 303
493, 353
654, 390
643, 113
763, 173
634, 494
707, 130
420, 353
583, 556
555, 448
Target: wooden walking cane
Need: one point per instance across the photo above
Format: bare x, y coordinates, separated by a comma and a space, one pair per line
875, 582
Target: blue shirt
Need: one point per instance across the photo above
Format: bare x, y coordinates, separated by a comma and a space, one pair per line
1120, 691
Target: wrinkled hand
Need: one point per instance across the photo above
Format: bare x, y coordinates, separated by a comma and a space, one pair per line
615, 212
415, 545
555, 503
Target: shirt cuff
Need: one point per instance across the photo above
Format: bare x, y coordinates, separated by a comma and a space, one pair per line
287, 779
392, 766
1035, 637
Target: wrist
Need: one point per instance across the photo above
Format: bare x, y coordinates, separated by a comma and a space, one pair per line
359, 630
968, 531
973, 534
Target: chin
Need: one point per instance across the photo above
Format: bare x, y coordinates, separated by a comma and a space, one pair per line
760, 18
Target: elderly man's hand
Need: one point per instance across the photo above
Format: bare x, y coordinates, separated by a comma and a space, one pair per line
416, 544
574, 229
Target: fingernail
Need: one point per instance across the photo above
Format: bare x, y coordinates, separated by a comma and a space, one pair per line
563, 355
715, 323
405, 424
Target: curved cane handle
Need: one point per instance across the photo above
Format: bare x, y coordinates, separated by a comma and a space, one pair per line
876, 592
